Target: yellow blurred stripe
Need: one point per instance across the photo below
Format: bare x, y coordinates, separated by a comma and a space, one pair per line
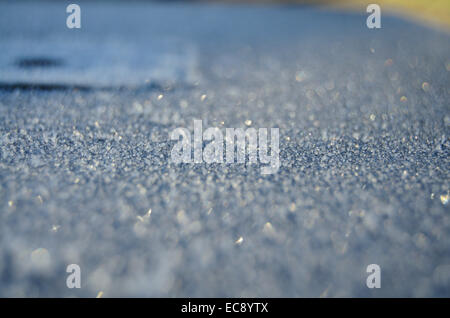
433, 12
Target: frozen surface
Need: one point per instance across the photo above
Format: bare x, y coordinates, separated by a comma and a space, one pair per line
364, 125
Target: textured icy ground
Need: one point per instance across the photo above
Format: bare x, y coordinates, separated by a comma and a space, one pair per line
364, 159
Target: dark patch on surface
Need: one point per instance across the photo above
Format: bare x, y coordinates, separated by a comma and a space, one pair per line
62, 87
42, 87
39, 62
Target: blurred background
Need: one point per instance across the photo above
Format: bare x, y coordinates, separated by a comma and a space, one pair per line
436, 12
432, 12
